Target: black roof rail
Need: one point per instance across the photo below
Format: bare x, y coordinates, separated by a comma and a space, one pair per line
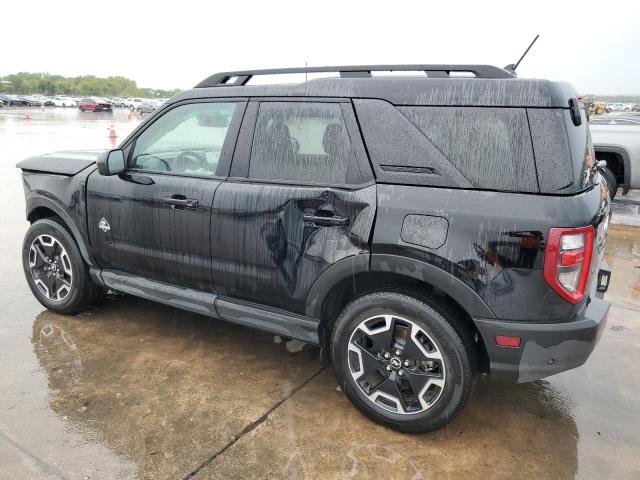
355, 71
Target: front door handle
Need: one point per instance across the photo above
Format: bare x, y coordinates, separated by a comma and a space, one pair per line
321, 220
180, 202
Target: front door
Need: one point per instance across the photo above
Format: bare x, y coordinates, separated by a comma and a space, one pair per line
300, 198
153, 220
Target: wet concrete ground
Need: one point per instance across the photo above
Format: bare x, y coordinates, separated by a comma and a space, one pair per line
133, 389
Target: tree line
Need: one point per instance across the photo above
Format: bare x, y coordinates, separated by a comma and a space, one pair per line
31, 83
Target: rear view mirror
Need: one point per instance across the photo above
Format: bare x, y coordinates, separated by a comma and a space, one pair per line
213, 120
111, 162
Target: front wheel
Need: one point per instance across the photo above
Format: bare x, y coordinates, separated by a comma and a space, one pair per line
401, 362
55, 271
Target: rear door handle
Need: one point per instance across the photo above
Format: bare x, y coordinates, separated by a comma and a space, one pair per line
180, 202
321, 220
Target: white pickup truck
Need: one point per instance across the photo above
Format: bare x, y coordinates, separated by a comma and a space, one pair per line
616, 139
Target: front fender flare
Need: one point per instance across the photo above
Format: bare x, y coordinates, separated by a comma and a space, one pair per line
34, 201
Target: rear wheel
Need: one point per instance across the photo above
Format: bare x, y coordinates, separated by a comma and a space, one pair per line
55, 271
401, 362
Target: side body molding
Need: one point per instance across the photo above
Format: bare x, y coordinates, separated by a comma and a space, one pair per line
249, 314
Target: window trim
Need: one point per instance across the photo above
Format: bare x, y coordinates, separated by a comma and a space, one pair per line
228, 147
242, 156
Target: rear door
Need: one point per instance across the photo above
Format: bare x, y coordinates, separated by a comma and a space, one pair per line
300, 197
153, 220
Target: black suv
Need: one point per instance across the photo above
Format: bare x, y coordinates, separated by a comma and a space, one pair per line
419, 229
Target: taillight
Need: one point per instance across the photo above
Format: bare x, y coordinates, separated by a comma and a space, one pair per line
567, 257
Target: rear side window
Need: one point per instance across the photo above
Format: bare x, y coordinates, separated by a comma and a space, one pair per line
301, 142
491, 147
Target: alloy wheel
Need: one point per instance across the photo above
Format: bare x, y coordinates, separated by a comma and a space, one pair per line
396, 364
50, 268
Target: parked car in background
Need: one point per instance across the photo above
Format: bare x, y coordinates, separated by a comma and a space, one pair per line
92, 104
33, 100
635, 107
5, 100
119, 102
617, 141
18, 101
134, 103
615, 107
146, 106
62, 101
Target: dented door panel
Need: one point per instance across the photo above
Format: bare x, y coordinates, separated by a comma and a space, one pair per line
264, 250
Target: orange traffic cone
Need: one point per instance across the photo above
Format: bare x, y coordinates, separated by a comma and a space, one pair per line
129, 117
27, 116
42, 107
112, 132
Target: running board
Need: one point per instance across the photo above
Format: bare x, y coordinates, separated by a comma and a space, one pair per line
244, 313
184, 298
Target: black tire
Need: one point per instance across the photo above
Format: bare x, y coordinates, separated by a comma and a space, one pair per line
455, 344
612, 183
82, 292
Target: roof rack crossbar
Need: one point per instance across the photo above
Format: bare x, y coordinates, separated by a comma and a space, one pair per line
355, 71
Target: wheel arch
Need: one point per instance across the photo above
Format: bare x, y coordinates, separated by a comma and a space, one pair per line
340, 284
39, 208
621, 155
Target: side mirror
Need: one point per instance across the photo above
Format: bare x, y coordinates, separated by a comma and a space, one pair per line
111, 162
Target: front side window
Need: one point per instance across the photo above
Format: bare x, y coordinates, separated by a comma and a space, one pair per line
301, 142
187, 139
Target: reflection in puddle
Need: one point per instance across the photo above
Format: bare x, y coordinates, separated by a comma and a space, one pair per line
163, 387
168, 389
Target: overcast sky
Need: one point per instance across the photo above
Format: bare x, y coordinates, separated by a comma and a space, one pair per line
175, 44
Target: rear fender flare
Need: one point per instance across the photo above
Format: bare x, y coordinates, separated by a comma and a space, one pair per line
455, 288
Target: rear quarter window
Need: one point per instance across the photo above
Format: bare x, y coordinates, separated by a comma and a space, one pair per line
491, 147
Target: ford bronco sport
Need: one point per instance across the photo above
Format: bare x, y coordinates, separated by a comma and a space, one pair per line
420, 229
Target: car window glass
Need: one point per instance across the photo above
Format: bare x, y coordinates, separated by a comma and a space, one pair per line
491, 147
300, 142
187, 139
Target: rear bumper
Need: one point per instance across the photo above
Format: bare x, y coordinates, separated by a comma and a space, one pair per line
545, 348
